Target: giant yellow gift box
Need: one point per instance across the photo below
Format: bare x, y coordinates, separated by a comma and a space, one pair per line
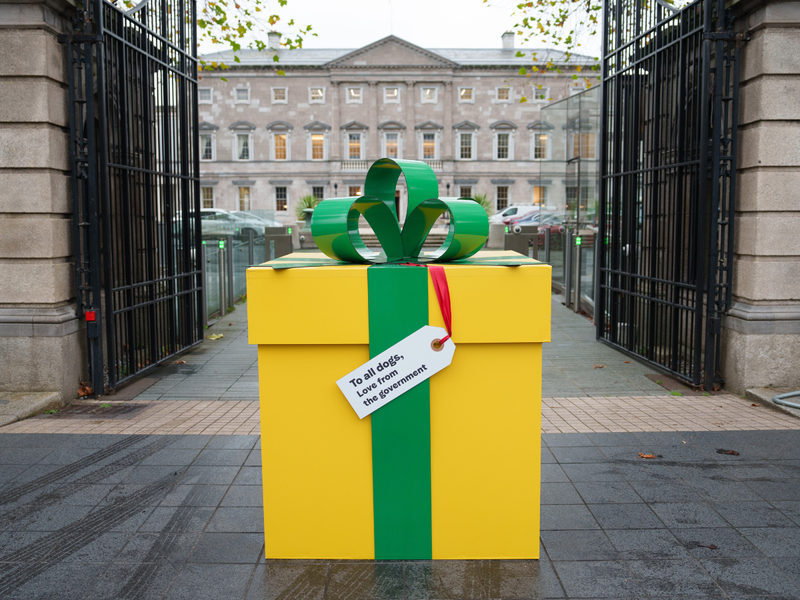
311, 326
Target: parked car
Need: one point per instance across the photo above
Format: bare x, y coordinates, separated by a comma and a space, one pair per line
251, 216
516, 210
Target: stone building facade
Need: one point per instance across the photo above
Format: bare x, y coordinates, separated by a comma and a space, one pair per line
269, 139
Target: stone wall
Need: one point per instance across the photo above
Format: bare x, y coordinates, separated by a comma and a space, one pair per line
41, 340
761, 336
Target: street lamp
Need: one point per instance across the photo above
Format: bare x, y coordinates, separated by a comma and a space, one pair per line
335, 190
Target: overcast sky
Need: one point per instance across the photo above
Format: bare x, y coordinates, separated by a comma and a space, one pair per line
427, 23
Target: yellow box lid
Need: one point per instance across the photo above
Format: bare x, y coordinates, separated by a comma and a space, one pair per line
328, 305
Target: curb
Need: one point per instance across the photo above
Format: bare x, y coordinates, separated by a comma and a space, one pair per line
20, 405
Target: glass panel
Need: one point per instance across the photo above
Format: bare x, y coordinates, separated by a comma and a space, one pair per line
539, 194
317, 94
208, 197
204, 94
205, 147
279, 94
503, 93
354, 94
241, 260
244, 198
281, 200
355, 146
280, 146
429, 94
213, 306
391, 94
466, 93
502, 145
429, 145
391, 145
354, 190
540, 145
466, 191
243, 146
242, 94
318, 192
466, 146
502, 197
317, 146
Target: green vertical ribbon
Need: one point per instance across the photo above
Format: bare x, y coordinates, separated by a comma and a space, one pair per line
401, 430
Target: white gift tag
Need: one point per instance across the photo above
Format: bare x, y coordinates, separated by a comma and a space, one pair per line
395, 371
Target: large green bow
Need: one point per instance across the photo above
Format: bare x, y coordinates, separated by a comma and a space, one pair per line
334, 223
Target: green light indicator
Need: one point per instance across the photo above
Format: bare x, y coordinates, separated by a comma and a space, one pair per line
204, 242
221, 244
578, 241
506, 229
289, 229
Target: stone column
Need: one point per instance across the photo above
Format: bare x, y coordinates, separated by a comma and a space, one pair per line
447, 134
410, 143
42, 343
374, 145
761, 334
336, 139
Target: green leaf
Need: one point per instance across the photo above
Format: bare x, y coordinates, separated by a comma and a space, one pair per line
519, 53
523, 71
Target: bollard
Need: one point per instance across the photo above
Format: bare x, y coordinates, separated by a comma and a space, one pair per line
229, 275
568, 268
204, 281
251, 246
547, 245
272, 249
578, 266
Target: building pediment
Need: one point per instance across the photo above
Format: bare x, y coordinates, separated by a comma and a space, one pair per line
540, 126
503, 125
429, 126
206, 126
391, 125
467, 126
242, 126
392, 52
354, 125
280, 126
317, 126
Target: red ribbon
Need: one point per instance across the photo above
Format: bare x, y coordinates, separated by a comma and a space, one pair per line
442, 295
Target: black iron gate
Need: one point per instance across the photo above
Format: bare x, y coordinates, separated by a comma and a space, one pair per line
135, 183
668, 154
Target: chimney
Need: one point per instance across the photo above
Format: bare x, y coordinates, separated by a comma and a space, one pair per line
508, 40
274, 38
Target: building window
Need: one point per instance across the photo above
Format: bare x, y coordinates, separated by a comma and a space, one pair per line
281, 199
280, 95
392, 149
465, 191
204, 96
207, 196
503, 146
429, 146
244, 198
242, 94
541, 94
584, 145
503, 94
243, 146
501, 198
280, 140
391, 95
206, 146
354, 146
318, 192
577, 89
317, 146
354, 190
316, 95
539, 194
430, 95
466, 94
540, 146
354, 95
465, 143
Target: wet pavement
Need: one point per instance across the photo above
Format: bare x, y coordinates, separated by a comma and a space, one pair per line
108, 516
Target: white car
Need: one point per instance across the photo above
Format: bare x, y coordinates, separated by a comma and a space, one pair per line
516, 211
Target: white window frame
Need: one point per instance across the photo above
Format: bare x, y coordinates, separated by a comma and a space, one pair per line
496, 194
250, 148
316, 87
239, 189
349, 100
545, 91
213, 196
546, 147
570, 153
213, 137
362, 141
471, 100
285, 95
310, 146
473, 135
422, 99
275, 198
497, 94
236, 99
322, 187
211, 93
399, 143
436, 141
461, 191
391, 101
288, 146
510, 145
533, 195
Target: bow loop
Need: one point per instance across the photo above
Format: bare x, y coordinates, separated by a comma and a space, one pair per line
334, 223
